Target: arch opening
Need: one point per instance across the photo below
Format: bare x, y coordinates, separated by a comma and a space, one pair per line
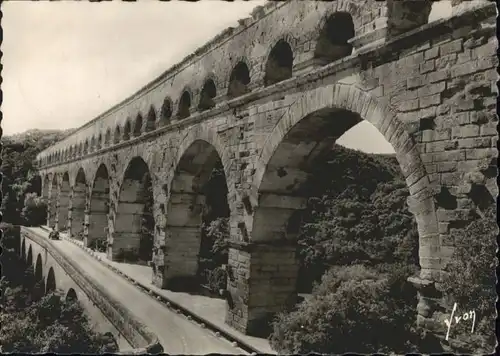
99, 142
279, 64
138, 126
29, 258
39, 286
117, 135
107, 138
184, 106
238, 80
86, 147
71, 296
126, 131
51, 282
151, 120
64, 202
134, 224
79, 201
166, 112
23, 250
320, 206
99, 209
333, 40
403, 16
207, 96
196, 220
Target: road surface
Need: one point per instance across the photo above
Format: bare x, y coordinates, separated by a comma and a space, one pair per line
177, 334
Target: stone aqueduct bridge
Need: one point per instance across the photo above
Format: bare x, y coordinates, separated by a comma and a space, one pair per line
268, 98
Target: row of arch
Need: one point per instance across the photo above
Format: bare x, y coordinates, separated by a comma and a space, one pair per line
49, 283
277, 190
332, 45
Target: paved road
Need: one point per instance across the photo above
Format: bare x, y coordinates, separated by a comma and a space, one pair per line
177, 334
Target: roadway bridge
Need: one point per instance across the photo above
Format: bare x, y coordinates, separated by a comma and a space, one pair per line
113, 303
266, 99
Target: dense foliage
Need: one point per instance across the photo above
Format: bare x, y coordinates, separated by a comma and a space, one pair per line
19, 174
470, 283
31, 322
354, 309
34, 212
215, 232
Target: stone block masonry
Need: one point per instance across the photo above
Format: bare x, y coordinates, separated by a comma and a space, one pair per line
428, 88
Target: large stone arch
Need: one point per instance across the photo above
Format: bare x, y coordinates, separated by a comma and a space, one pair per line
64, 202
352, 99
209, 135
129, 236
310, 125
99, 205
194, 161
78, 206
45, 194
52, 203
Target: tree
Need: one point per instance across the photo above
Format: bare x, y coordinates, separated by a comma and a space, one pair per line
354, 309
34, 212
19, 175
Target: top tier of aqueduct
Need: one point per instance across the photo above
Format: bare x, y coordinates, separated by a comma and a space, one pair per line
299, 23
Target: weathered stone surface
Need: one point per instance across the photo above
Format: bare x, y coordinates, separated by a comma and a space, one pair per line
429, 92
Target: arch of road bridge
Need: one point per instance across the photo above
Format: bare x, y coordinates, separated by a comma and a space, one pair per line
279, 189
64, 203
50, 284
39, 289
29, 256
71, 295
131, 233
79, 206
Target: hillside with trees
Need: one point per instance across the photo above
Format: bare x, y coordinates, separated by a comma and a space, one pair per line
20, 178
31, 322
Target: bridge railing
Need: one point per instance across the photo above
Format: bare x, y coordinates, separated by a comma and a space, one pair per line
135, 332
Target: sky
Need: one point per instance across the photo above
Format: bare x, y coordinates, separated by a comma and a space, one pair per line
66, 62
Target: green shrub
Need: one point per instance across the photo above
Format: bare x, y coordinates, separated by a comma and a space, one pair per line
99, 244
217, 279
11, 236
